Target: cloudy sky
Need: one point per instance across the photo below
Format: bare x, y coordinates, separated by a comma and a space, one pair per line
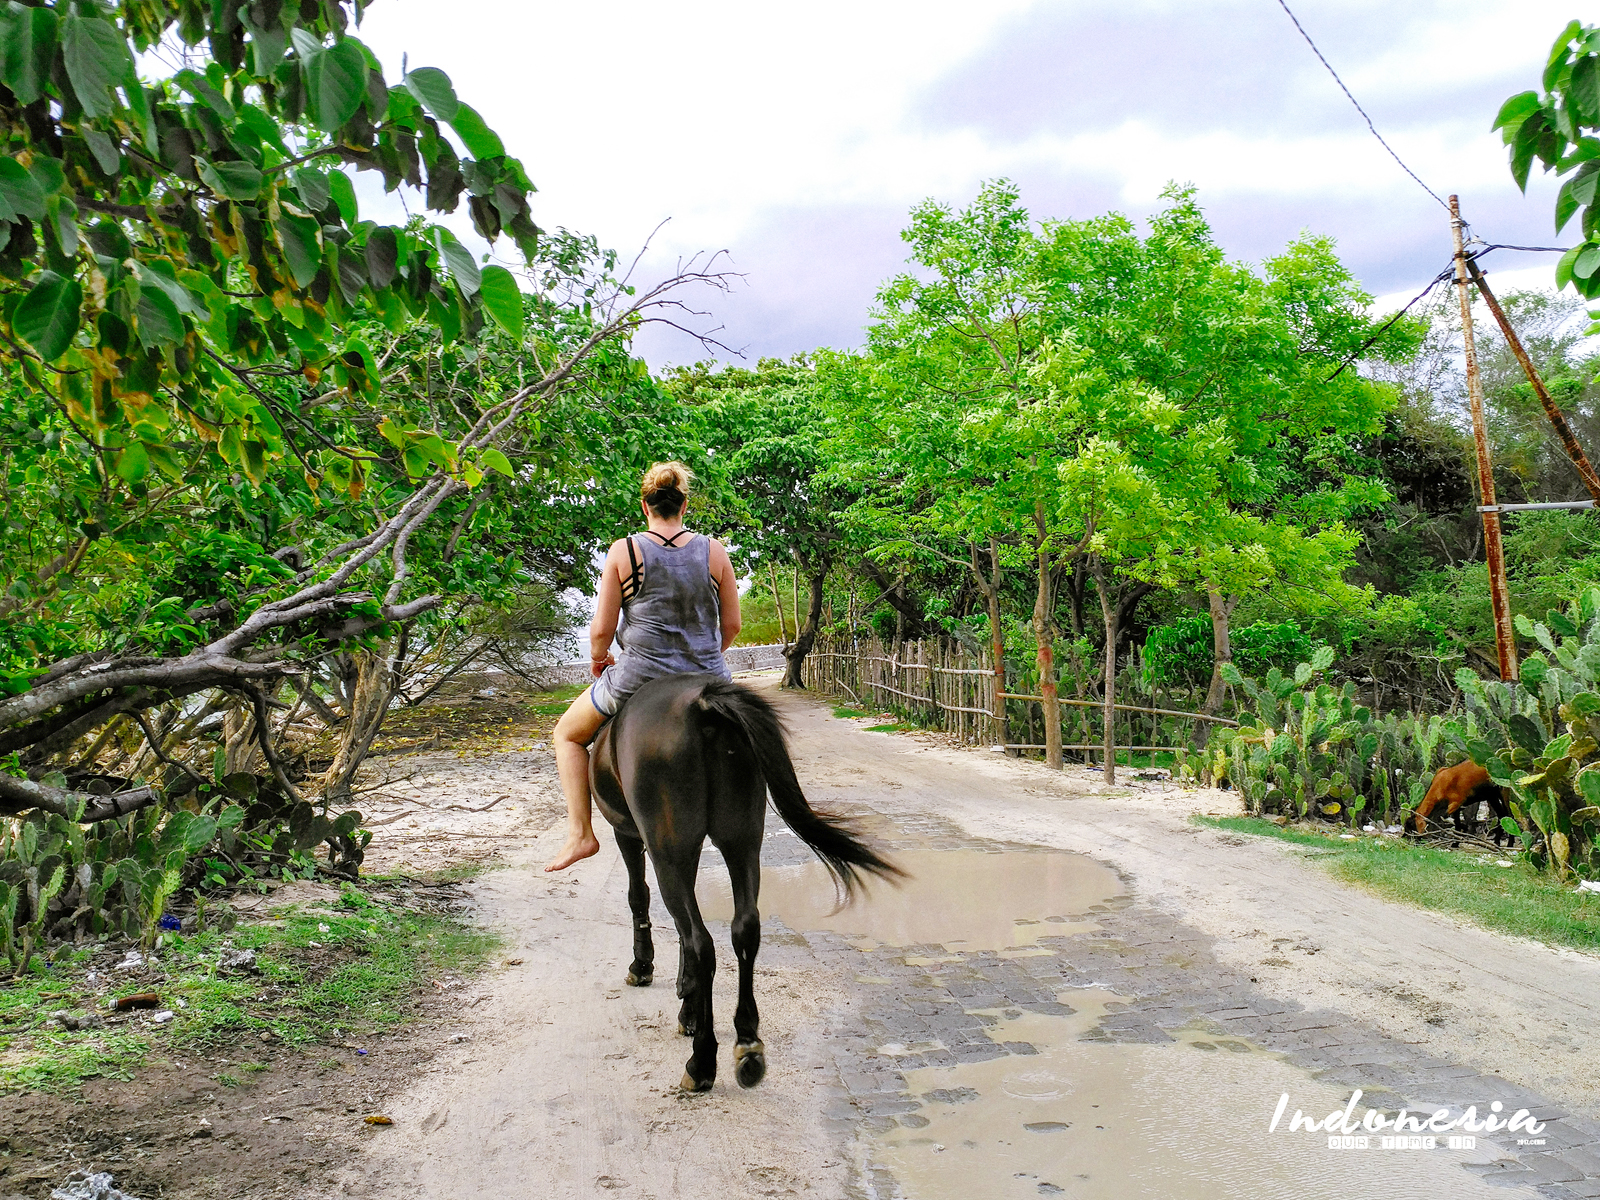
796, 137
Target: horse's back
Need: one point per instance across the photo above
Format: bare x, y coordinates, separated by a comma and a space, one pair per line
673, 769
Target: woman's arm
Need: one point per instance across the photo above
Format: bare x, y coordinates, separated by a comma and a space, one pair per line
727, 592
607, 610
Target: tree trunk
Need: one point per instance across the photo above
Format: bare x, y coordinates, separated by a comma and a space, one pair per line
795, 655
1221, 647
1109, 610
990, 588
777, 603
908, 617
1043, 629
369, 704
242, 752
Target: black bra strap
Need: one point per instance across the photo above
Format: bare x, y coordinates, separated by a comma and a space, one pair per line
630, 586
667, 541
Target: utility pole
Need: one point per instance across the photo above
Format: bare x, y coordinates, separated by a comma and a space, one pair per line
1499, 593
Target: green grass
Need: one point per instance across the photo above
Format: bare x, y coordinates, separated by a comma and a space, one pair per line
557, 700
459, 872
322, 977
1516, 900
892, 727
845, 712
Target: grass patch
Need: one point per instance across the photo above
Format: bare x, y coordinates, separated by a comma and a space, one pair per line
1157, 758
1516, 900
557, 700
457, 872
321, 977
849, 712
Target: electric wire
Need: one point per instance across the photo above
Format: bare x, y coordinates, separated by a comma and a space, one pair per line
1531, 249
1284, 5
1447, 273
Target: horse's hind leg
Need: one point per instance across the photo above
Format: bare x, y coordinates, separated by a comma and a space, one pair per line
749, 1055
642, 972
697, 965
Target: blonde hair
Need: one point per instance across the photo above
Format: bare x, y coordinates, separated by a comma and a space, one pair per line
665, 487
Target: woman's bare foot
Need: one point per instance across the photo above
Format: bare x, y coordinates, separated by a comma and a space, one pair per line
578, 846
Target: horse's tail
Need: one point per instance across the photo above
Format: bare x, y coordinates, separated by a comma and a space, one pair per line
834, 839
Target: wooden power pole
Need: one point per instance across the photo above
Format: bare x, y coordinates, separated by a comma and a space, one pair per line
1499, 593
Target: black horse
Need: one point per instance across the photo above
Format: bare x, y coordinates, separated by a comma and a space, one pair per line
690, 757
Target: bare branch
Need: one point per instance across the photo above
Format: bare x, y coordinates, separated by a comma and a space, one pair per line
20, 795
258, 701
155, 748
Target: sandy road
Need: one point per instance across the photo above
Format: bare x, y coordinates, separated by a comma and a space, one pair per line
563, 1082
1508, 1006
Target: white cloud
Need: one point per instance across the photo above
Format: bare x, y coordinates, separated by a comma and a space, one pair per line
727, 116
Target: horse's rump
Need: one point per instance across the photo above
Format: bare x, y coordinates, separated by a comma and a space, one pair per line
690, 757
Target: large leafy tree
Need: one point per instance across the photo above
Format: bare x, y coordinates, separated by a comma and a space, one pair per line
202, 336
1085, 394
770, 430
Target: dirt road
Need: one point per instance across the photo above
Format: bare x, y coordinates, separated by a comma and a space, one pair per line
1115, 1032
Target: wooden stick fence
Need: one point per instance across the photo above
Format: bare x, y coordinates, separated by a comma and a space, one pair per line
953, 689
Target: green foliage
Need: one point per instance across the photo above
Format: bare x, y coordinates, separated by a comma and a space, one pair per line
62, 880
1558, 128
1539, 737
1309, 749
163, 236
1181, 653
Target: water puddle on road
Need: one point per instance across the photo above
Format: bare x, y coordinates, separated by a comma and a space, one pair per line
1185, 1120
1096, 1120
963, 900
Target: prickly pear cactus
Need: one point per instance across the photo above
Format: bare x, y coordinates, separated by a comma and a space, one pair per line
1539, 737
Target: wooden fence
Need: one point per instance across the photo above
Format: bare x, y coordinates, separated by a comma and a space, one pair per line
949, 688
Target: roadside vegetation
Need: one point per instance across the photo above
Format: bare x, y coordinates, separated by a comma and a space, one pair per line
1499, 892
330, 974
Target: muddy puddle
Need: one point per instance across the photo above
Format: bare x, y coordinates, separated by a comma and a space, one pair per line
963, 900
1183, 1120
1186, 1120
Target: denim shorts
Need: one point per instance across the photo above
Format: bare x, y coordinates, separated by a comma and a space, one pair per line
601, 695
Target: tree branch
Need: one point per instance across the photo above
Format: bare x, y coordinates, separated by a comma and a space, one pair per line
155, 748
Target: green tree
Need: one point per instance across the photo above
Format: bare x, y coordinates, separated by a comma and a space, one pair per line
238, 406
769, 431
1558, 129
1075, 389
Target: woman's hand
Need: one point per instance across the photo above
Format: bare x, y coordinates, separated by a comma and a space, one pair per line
598, 665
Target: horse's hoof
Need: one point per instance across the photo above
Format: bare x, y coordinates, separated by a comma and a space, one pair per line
749, 1063
688, 1084
635, 980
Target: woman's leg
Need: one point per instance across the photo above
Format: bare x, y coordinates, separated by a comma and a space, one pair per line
574, 731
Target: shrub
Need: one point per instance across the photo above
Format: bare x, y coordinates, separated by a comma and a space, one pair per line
1541, 737
1180, 653
1309, 749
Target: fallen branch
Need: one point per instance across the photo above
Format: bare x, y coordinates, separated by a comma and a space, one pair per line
20, 795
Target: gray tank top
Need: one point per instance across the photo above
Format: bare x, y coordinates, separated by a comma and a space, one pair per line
672, 625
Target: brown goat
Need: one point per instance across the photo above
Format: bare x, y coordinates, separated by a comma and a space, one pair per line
1458, 787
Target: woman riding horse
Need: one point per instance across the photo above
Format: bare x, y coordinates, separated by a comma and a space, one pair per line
670, 599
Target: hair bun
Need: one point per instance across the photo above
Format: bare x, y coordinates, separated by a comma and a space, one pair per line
665, 487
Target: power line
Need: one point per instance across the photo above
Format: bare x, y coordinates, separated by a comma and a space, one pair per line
1359, 109
1384, 328
1443, 275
